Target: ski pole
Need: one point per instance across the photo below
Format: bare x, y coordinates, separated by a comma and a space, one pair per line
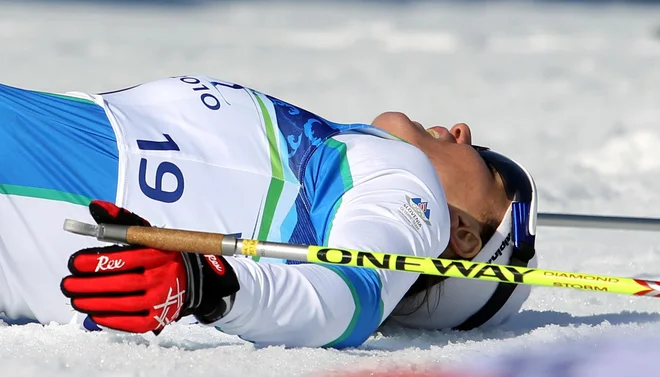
218, 244
600, 222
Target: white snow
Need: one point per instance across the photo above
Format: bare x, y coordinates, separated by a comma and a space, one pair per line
570, 91
632, 153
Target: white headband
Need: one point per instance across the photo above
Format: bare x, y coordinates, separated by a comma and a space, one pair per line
460, 298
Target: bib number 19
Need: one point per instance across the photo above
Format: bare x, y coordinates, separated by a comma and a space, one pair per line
156, 191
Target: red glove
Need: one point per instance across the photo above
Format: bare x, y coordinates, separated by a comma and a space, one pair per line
139, 289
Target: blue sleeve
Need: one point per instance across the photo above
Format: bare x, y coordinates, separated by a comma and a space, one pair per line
365, 286
325, 198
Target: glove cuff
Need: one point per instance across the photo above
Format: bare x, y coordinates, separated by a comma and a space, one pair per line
212, 287
194, 271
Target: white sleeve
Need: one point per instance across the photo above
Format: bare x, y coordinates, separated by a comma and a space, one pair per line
393, 206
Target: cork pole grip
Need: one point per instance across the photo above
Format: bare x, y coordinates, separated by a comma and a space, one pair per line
175, 240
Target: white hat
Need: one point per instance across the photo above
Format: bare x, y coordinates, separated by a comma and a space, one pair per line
468, 303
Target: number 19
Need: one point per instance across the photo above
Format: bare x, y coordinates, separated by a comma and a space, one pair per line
156, 191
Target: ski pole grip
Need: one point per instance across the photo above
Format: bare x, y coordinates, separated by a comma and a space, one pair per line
175, 240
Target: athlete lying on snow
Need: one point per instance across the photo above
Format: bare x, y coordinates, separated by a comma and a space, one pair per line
199, 153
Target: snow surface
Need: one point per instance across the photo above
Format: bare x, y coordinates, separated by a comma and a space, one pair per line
570, 91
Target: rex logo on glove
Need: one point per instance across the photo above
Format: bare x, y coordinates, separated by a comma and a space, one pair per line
106, 264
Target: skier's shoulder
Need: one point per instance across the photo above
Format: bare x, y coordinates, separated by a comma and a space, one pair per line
370, 154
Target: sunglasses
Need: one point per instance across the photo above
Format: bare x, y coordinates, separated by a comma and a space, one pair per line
520, 188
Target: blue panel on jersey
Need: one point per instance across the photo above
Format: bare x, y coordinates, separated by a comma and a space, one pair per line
288, 224
55, 144
304, 131
329, 177
303, 232
366, 287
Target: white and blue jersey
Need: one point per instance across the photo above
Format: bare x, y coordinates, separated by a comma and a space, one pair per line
198, 153
56, 153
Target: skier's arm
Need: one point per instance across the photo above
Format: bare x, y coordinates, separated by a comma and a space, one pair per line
339, 306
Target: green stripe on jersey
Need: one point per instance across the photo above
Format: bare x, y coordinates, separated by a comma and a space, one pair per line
356, 312
72, 98
277, 179
346, 178
41, 193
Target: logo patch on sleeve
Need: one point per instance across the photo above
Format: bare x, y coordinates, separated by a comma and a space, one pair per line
415, 211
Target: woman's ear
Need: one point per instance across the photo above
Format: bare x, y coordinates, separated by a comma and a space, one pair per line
465, 238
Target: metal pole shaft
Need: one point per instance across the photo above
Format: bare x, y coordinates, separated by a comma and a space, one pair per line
602, 222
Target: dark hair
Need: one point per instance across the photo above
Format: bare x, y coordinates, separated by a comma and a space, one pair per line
424, 283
